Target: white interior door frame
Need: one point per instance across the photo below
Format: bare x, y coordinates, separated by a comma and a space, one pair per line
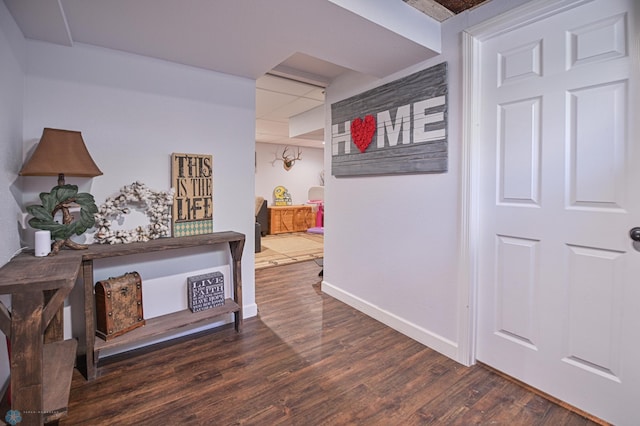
473, 38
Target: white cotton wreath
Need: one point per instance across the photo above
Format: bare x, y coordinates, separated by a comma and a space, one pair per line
157, 206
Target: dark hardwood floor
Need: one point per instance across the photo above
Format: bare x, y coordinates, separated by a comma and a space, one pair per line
307, 359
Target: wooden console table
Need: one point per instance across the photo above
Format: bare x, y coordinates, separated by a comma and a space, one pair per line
41, 363
166, 323
290, 219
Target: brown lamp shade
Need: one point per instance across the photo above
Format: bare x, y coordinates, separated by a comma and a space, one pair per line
60, 152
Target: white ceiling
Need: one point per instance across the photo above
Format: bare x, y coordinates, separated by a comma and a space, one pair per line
278, 99
312, 40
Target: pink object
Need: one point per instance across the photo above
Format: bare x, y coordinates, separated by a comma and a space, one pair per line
320, 216
319, 213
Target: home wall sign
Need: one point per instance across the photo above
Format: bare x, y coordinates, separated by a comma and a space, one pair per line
192, 178
400, 127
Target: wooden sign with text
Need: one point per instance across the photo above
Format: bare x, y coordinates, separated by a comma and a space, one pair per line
205, 291
192, 178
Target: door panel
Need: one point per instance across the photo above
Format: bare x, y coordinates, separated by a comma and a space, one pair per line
594, 325
520, 152
516, 281
558, 276
596, 159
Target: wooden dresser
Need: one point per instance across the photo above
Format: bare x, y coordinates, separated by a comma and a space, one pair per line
290, 219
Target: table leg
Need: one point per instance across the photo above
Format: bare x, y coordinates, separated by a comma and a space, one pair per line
89, 319
26, 360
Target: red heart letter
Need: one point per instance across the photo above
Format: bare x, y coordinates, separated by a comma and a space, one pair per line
362, 131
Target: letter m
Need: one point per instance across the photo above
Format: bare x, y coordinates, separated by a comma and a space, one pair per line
392, 129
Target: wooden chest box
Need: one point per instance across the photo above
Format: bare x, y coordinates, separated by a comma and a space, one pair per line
118, 305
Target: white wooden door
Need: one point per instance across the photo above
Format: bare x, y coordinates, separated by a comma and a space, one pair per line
559, 190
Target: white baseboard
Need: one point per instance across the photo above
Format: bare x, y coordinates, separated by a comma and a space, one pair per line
249, 311
417, 333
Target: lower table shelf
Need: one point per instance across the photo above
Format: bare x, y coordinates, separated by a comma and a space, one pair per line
165, 324
58, 362
170, 322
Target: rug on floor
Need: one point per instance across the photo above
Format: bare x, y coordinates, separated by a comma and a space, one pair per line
284, 249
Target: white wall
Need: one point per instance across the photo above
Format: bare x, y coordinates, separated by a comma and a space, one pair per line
11, 103
133, 112
298, 180
392, 242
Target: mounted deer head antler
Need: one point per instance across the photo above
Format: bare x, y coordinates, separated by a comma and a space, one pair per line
288, 160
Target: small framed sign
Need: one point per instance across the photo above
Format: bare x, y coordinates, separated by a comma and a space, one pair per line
192, 178
205, 291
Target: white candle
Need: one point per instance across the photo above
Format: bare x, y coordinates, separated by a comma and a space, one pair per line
43, 243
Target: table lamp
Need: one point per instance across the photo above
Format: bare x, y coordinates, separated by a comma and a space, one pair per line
60, 153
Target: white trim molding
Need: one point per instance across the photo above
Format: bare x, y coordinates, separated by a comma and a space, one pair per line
417, 333
249, 311
526, 14
468, 202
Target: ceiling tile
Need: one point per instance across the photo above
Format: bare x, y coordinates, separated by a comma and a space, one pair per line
269, 127
298, 106
284, 85
267, 101
317, 94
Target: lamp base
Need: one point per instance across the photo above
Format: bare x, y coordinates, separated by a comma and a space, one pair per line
55, 247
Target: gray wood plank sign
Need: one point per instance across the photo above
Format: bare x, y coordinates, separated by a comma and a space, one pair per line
400, 127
